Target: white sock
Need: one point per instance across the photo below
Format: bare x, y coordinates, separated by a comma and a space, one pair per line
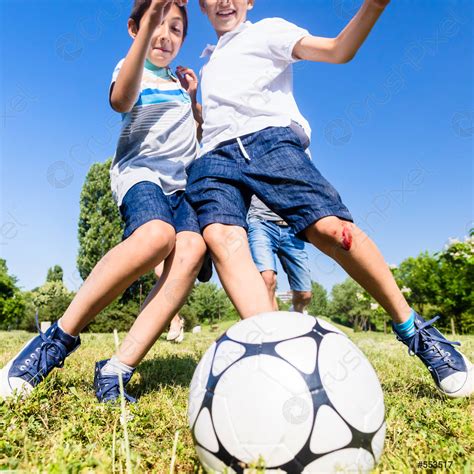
62, 329
115, 367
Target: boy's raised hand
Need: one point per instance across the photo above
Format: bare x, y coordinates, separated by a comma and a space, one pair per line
189, 80
158, 10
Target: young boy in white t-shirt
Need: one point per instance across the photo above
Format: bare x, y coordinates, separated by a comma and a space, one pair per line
254, 141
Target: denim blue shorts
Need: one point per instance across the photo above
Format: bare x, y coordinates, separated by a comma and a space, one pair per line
276, 169
268, 241
146, 202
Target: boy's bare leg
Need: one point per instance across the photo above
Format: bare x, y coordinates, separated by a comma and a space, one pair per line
116, 271
175, 324
270, 279
301, 300
166, 298
238, 274
360, 257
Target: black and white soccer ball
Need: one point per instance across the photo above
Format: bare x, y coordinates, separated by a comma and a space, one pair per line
289, 390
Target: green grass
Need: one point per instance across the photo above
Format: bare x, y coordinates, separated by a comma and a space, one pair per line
62, 429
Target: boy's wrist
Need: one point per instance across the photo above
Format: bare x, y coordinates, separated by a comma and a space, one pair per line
378, 4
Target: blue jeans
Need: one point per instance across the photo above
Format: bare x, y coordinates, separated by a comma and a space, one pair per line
276, 169
268, 241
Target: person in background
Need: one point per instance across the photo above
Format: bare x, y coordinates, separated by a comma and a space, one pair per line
270, 237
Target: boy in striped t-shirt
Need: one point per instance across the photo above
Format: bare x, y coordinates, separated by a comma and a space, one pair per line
148, 175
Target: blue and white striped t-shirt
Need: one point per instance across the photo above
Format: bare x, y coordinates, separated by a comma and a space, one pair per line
158, 138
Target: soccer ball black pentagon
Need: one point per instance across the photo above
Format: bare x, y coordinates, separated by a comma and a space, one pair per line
288, 390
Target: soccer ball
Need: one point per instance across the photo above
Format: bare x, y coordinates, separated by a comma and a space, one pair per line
288, 391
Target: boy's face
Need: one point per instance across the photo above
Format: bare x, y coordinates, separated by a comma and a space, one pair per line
166, 40
226, 15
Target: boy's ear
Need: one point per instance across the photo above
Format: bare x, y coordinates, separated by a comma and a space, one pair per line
132, 28
202, 5
250, 4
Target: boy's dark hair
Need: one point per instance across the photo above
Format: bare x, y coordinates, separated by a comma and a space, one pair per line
141, 6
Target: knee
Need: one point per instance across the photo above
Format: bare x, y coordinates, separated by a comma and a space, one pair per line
224, 240
190, 251
331, 232
270, 280
156, 238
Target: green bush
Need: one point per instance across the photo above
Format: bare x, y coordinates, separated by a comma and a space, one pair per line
117, 315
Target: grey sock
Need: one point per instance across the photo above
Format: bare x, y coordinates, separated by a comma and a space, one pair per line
115, 367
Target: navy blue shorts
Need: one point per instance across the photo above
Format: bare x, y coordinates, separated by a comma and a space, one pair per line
146, 201
278, 171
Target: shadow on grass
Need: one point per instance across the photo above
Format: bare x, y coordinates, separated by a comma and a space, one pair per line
175, 370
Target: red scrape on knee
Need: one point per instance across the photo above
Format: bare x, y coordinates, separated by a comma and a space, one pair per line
346, 239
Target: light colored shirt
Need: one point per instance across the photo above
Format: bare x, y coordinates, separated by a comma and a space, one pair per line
247, 83
158, 138
259, 210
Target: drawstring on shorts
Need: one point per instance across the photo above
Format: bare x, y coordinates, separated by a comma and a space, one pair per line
243, 150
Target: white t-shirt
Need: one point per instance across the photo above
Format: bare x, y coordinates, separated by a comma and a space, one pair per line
247, 83
158, 138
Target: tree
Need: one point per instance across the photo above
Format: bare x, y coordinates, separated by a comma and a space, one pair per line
319, 300
207, 303
12, 304
442, 284
55, 274
28, 320
350, 305
100, 226
419, 279
117, 315
456, 296
139, 290
51, 300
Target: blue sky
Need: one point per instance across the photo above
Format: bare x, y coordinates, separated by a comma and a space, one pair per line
392, 130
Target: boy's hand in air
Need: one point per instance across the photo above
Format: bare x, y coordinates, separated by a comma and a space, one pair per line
158, 10
189, 80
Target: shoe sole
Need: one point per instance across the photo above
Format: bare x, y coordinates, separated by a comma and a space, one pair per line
467, 388
20, 387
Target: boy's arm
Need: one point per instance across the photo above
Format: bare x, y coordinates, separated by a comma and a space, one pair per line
125, 90
190, 82
343, 48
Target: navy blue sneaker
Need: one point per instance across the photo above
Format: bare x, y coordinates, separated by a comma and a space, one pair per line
107, 388
35, 361
450, 369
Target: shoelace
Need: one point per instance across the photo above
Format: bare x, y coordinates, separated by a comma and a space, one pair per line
109, 383
37, 366
430, 341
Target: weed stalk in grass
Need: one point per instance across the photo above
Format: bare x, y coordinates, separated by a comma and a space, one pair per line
123, 411
173, 456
